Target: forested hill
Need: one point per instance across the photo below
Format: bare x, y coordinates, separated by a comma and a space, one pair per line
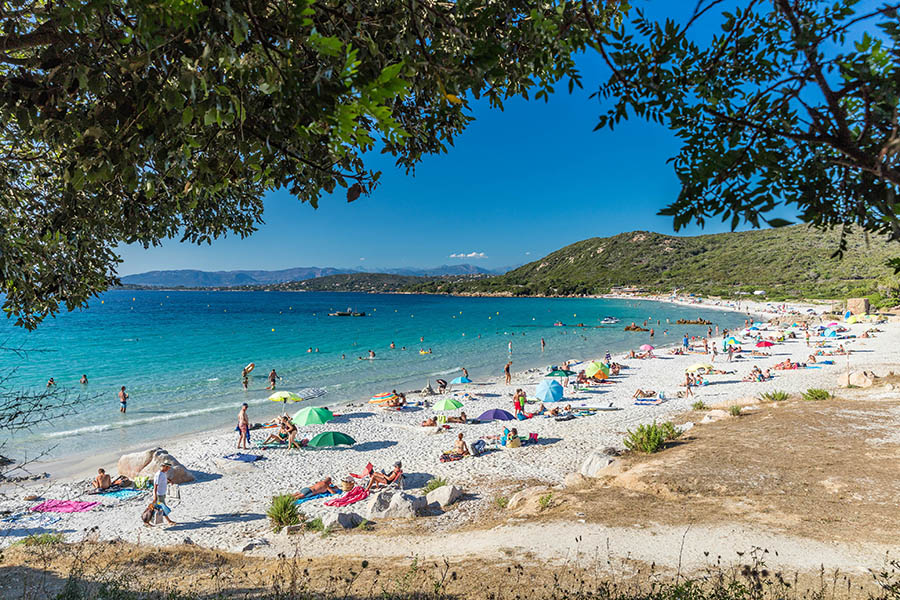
785, 262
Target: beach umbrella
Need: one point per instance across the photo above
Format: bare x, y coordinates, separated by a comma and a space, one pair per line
285, 397
459, 380
560, 373
699, 367
596, 368
495, 414
313, 415
732, 340
852, 319
549, 391
848, 314
447, 404
764, 344
385, 397
331, 438
646, 347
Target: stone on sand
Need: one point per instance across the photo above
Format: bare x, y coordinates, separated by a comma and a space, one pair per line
148, 463
394, 504
861, 379
342, 520
594, 463
714, 415
574, 480
444, 495
518, 499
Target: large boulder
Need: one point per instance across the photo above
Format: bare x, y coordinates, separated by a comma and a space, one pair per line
714, 415
521, 497
594, 463
574, 480
443, 496
148, 463
862, 378
394, 504
342, 520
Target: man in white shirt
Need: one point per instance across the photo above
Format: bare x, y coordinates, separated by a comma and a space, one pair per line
160, 487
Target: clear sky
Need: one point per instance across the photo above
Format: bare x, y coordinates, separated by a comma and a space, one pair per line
518, 185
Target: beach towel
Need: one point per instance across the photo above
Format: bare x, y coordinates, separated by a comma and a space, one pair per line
270, 446
451, 457
63, 506
122, 494
565, 418
352, 497
313, 497
648, 401
240, 457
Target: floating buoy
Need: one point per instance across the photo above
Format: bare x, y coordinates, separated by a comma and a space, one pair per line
102, 301
132, 299
273, 329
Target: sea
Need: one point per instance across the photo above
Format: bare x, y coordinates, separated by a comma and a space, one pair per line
180, 353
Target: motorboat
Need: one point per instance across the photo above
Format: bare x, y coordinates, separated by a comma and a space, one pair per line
346, 313
609, 321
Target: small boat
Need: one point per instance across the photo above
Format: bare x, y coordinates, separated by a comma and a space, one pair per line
559, 324
609, 321
347, 313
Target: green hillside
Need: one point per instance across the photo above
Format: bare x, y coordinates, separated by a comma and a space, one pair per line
346, 282
787, 262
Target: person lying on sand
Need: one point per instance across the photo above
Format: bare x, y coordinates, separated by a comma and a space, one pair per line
460, 419
759, 353
429, 422
382, 479
640, 394
317, 488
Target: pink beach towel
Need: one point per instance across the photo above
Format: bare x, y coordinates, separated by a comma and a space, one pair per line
352, 497
64, 506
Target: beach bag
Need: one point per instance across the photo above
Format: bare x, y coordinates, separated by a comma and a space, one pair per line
157, 517
147, 515
478, 447
174, 491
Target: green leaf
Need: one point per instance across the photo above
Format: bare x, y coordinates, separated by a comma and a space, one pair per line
187, 116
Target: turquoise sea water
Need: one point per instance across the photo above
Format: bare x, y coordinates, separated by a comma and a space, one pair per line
180, 354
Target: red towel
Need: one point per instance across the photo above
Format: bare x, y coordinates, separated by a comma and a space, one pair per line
352, 497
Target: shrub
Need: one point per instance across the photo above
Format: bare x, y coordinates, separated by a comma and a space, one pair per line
501, 501
41, 539
283, 512
315, 525
545, 500
774, 396
650, 438
699, 405
813, 394
433, 484
734, 411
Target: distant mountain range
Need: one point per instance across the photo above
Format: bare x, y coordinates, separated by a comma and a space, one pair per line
192, 278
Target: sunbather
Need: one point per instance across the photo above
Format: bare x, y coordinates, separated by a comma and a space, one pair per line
460, 419
460, 447
281, 436
317, 488
639, 394
382, 479
429, 422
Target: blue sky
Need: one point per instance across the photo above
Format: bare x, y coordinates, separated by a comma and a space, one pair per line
518, 184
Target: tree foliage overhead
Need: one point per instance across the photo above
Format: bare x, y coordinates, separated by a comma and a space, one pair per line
126, 121
794, 102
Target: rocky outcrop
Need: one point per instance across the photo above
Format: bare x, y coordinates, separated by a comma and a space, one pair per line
148, 462
443, 496
634, 327
862, 379
594, 463
394, 504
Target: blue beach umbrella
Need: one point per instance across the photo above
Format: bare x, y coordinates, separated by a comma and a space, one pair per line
459, 380
495, 414
549, 390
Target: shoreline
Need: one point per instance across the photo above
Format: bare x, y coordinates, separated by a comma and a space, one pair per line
84, 464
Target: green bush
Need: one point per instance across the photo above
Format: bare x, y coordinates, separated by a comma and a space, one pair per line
315, 525
545, 500
433, 484
501, 501
814, 394
283, 512
41, 539
735, 411
774, 396
699, 405
650, 438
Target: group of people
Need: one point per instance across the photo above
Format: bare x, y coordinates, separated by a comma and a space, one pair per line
758, 375
375, 478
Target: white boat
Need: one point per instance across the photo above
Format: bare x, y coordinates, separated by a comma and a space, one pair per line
609, 321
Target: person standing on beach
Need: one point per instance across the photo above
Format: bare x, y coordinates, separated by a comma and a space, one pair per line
688, 382
684, 342
273, 377
160, 487
507, 373
243, 428
123, 399
714, 352
730, 352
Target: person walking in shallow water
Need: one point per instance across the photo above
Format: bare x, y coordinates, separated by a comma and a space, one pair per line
273, 377
123, 399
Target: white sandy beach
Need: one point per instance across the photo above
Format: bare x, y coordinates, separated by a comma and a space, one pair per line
225, 507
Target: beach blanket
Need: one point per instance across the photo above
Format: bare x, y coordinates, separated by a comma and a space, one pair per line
240, 457
63, 506
648, 401
270, 446
313, 497
352, 497
451, 457
28, 520
122, 494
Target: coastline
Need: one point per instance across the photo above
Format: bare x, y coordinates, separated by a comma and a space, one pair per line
386, 436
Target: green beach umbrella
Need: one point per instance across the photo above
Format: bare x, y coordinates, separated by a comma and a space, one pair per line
594, 368
560, 373
331, 438
447, 404
313, 415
